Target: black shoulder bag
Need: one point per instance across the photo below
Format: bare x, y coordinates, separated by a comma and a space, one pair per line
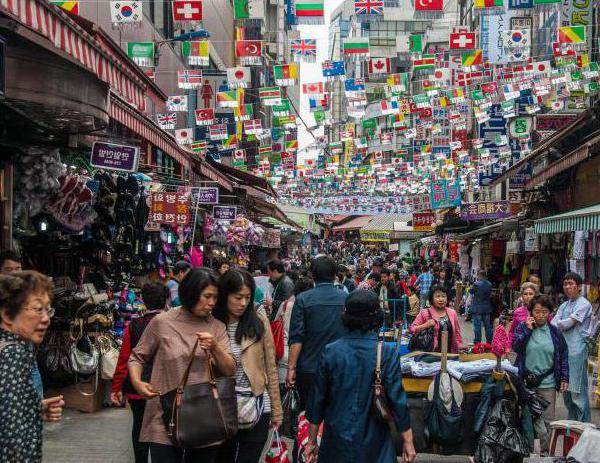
423, 340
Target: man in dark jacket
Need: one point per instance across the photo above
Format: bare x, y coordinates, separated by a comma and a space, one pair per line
481, 308
387, 290
316, 321
344, 278
282, 284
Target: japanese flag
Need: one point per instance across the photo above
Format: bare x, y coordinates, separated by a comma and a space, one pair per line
238, 77
184, 136
542, 67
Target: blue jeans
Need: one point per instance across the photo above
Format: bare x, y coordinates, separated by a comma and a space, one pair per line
487, 324
578, 406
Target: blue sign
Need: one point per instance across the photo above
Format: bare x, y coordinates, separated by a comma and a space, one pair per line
520, 4
114, 157
445, 193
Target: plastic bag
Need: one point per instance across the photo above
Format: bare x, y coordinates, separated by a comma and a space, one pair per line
302, 437
278, 451
537, 405
291, 410
501, 441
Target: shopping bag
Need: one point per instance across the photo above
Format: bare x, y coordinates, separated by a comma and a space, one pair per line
277, 329
302, 437
291, 410
278, 451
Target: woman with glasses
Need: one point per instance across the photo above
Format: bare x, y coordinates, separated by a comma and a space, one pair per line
25, 314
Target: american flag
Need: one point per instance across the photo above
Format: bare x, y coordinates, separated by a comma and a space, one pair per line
303, 47
189, 78
374, 7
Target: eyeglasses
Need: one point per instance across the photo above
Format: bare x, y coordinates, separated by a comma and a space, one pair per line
41, 311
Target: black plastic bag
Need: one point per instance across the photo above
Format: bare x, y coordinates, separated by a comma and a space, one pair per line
537, 405
443, 427
501, 441
291, 410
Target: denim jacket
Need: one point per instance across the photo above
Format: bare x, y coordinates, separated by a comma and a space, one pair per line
561, 352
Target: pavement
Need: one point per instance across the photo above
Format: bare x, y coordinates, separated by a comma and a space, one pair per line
104, 437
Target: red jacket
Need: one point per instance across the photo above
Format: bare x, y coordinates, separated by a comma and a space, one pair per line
121, 371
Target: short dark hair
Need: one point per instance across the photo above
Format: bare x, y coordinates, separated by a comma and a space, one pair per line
342, 270
323, 269
362, 311
303, 284
436, 289
181, 266
573, 276
154, 295
18, 286
276, 265
9, 255
542, 300
374, 276
250, 325
194, 283
385, 271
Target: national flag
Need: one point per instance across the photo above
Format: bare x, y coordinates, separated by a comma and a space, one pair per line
398, 82
270, 96
228, 99
416, 43
333, 68
516, 38
462, 41
190, 78
285, 74
571, 34
368, 7
583, 60
243, 112
238, 77
281, 109
315, 88
488, 3
303, 47
71, 7
125, 11
380, 66
265, 150
205, 116
199, 145
542, 67
197, 52
425, 62
184, 136
441, 76
474, 58
429, 5
354, 85
490, 88
177, 103
248, 48
150, 74
217, 132
358, 46
545, 2
239, 155
241, 9
141, 53
309, 8
253, 126
291, 145
187, 10
230, 142
166, 120
388, 107
316, 104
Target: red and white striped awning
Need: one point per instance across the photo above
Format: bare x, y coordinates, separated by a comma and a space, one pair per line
55, 25
146, 129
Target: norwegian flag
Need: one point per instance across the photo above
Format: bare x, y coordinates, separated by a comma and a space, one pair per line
303, 47
380, 66
205, 116
315, 88
217, 132
253, 126
462, 41
363, 7
189, 78
166, 120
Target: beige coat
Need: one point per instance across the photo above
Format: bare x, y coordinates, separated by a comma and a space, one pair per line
258, 362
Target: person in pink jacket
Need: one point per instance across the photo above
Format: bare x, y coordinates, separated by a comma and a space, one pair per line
440, 317
521, 313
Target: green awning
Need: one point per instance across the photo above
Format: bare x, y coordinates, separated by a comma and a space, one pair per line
584, 219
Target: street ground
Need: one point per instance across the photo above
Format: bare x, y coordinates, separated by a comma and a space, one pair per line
104, 437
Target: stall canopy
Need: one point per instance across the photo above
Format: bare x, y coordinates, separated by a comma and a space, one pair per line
584, 219
354, 224
381, 226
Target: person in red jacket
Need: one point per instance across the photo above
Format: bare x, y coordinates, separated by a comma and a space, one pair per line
154, 296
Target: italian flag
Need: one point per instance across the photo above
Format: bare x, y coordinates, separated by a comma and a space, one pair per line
488, 3
358, 46
309, 8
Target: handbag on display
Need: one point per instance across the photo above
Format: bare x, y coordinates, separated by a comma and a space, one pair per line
423, 340
250, 407
109, 357
84, 363
214, 402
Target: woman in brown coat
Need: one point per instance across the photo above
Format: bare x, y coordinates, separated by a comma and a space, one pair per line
166, 345
257, 383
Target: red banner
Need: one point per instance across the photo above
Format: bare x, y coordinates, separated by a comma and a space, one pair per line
423, 221
170, 209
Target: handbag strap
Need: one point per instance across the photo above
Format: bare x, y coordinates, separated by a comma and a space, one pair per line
186, 375
378, 363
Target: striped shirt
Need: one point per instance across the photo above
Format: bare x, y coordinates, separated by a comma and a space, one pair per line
241, 380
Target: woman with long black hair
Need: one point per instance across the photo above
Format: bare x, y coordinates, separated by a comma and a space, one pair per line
257, 384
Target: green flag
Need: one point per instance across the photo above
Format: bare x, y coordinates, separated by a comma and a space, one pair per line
241, 9
141, 53
369, 123
319, 116
416, 43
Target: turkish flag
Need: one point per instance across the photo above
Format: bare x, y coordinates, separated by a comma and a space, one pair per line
429, 5
425, 113
489, 88
248, 48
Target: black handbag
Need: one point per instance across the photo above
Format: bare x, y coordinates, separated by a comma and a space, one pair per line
533, 381
441, 426
201, 415
422, 341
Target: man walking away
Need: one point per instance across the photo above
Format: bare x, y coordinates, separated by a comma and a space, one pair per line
423, 284
481, 308
282, 284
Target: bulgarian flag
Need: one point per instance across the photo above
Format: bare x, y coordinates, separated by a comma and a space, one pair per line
571, 34
489, 3
309, 11
357, 47
473, 58
425, 62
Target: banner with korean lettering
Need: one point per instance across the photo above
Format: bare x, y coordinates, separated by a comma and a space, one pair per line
485, 210
170, 208
445, 193
423, 221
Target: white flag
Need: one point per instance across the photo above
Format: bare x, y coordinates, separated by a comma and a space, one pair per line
184, 136
126, 12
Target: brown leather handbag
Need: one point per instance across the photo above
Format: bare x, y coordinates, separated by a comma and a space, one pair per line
200, 415
381, 404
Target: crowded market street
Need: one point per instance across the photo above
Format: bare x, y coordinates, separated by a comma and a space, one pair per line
299, 231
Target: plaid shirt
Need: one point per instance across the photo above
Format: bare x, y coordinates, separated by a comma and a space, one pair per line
424, 282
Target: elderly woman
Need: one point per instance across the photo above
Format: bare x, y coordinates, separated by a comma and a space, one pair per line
24, 319
166, 344
345, 375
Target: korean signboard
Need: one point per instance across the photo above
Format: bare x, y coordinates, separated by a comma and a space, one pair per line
114, 157
170, 209
421, 202
579, 13
445, 193
224, 212
485, 210
207, 195
423, 221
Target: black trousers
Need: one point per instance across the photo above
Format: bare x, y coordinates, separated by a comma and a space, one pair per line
304, 384
168, 454
247, 445
140, 449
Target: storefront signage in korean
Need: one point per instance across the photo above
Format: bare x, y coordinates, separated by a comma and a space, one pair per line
445, 193
208, 195
114, 157
224, 212
421, 202
553, 122
170, 209
423, 221
485, 210
521, 126
375, 235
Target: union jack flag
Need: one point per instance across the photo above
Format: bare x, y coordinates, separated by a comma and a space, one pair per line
303, 47
374, 7
166, 120
189, 78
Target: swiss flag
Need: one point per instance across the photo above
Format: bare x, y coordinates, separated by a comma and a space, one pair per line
187, 10
462, 41
429, 5
248, 48
379, 65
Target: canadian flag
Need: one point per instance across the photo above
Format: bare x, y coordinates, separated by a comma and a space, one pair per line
462, 41
315, 88
379, 66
